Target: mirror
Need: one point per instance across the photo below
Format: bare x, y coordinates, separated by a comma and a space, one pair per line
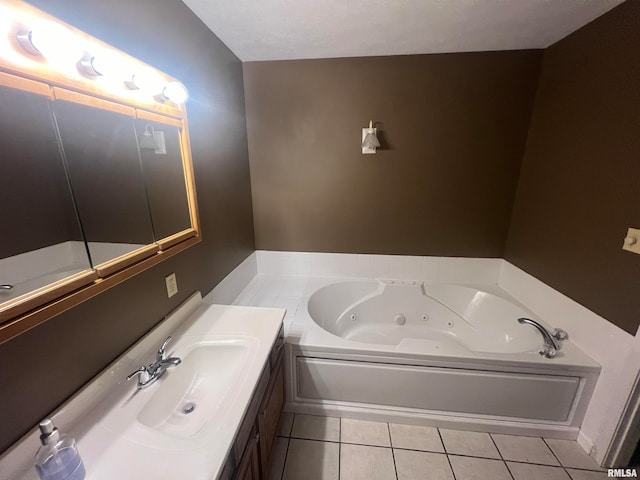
163, 177
101, 152
97, 181
42, 242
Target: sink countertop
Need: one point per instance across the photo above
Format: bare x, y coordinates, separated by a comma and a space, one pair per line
104, 417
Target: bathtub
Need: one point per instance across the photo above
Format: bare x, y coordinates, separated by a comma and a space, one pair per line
434, 354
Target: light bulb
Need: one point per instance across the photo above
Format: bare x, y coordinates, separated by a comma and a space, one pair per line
103, 63
53, 41
147, 81
175, 92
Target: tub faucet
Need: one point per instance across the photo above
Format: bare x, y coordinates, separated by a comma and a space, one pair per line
551, 345
149, 374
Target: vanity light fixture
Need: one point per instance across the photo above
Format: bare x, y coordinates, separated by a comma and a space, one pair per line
147, 81
175, 92
369, 139
87, 65
51, 41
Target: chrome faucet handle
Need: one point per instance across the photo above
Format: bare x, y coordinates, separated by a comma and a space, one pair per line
560, 334
6, 286
547, 351
143, 376
160, 355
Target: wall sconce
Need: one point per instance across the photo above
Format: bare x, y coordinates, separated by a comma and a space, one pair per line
175, 92
369, 139
152, 140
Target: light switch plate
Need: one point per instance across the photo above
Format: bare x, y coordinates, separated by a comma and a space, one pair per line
632, 240
172, 285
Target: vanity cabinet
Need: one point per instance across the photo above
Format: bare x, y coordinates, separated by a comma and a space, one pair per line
249, 468
251, 451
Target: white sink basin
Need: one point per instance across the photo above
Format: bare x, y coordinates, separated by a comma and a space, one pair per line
197, 390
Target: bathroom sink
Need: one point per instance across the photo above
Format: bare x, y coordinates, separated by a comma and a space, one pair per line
198, 390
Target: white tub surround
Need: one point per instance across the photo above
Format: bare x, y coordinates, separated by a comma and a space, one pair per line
126, 433
436, 354
231, 285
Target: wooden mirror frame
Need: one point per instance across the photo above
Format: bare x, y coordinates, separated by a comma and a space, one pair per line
35, 74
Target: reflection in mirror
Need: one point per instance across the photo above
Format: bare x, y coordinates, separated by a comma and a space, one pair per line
42, 240
164, 176
101, 151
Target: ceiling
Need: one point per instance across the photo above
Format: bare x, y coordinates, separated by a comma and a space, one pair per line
294, 29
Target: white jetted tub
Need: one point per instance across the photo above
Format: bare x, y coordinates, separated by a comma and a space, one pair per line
435, 354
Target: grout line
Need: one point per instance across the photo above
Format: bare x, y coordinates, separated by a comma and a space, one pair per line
509, 470
553, 453
318, 440
339, 458
395, 467
286, 455
496, 445
501, 457
339, 445
441, 440
446, 455
393, 454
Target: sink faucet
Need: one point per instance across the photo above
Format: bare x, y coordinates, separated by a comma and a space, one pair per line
149, 374
551, 345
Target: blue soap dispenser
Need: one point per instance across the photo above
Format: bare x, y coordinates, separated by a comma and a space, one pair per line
58, 457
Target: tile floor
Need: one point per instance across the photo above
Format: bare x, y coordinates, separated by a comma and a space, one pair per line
325, 448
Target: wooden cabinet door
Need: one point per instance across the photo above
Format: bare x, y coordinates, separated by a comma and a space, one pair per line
249, 468
269, 416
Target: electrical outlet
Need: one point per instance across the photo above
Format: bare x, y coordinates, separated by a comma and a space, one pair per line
172, 285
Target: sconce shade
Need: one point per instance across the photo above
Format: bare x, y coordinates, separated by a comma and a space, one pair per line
370, 141
148, 140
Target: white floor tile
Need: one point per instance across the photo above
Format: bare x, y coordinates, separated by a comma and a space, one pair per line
286, 422
359, 462
365, 433
586, 475
415, 437
475, 444
468, 468
313, 427
524, 449
526, 471
571, 454
412, 465
311, 460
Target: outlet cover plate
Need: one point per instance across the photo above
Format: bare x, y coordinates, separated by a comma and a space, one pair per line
172, 285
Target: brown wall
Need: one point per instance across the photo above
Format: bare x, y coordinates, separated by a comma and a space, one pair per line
580, 182
43, 367
453, 127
